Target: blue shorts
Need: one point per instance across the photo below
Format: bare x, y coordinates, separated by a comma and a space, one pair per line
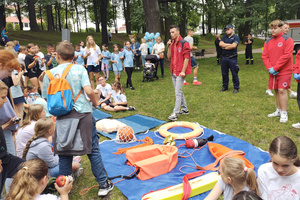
193, 62
92, 68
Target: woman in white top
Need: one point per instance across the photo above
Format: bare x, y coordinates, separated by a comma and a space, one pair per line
119, 102
159, 49
144, 51
92, 53
279, 179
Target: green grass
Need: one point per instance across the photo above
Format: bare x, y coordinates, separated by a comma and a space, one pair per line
243, 115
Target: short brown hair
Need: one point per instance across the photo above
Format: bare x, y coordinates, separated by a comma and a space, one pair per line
65, 50
174, 26
276, 23
189, 30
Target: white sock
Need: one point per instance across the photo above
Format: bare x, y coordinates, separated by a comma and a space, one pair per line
184, 81
195, 79
278, 110
284, 112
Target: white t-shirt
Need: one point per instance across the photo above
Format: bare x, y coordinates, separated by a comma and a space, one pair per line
21, 59
22, 137
106, 90
41, 56
144, 49
91, 59
46, 197
158, 47
190, 40
273, 186
118, 97
227, 189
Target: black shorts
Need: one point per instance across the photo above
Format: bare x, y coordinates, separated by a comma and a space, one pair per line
35, 74
118, 105
107, 102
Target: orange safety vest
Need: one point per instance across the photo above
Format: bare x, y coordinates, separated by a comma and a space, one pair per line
152, 161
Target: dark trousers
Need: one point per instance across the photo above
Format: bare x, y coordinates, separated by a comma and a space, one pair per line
248, 53
161, 63
129, 71
298, 95
137, 60
9, 169
230, 63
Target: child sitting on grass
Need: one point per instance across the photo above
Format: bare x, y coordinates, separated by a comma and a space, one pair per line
119, 102
31, 180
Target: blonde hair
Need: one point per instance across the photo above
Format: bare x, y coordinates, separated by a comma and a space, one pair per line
119, 86
34, 112
235, 169
8, 60
27, 180
41, 128
276, 23
88, 46
143, 40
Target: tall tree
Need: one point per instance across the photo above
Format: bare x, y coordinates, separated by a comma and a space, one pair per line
104, 4
126, 7
152, 15
50, 22
96, 14
167, 20
2, 16
32, 16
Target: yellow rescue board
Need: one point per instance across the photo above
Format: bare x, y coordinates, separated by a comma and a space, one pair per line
199, 185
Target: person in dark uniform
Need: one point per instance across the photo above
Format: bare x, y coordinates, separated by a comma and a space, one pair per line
229, 43
218, 49
248, 51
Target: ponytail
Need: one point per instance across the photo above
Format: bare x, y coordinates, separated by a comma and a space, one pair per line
251, 180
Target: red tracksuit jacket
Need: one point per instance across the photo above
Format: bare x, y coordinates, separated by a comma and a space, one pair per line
178, 54
278, 53
296, 67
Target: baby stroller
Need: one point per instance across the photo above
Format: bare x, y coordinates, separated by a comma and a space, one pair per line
150, 73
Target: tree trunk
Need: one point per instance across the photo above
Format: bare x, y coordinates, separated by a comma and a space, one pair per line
183, 18
127, 17
77, 16
96, 14
248, 25
32, 16
18, 13
104, 4
66, 12
298, 12
41, 16
50, 25
152, 16
165, 5
58, 14
2, 17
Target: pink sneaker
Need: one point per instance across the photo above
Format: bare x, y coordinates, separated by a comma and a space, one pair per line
77, 159
197, 83
186, 83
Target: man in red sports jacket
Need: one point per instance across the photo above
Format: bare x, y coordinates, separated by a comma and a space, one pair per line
278, 59
179, 53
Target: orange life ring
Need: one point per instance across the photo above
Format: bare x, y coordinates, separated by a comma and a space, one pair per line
197, 130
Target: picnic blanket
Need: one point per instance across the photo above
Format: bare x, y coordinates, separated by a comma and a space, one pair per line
134, 189
139, 124
98, 114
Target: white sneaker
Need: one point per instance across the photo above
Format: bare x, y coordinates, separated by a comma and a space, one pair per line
297, 125
173, 117
293, 95
269, 92
283, 118
275, 114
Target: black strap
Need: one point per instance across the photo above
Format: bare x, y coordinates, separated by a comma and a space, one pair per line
126, 177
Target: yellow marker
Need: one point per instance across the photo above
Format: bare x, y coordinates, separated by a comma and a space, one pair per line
199, 185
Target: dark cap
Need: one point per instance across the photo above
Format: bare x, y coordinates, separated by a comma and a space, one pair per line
229, 26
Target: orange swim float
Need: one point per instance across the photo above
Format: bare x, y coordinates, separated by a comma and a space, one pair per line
218, 150
197, 130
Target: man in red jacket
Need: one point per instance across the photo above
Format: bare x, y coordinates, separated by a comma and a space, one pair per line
296, 69
179, 53
278, 59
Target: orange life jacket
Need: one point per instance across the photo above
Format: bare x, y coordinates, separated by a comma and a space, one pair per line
153, 160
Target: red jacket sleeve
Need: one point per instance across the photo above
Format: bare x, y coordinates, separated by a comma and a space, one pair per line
287, 54
265, 57
186, 50
296, 66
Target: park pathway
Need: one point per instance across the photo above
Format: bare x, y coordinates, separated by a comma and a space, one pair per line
239, 52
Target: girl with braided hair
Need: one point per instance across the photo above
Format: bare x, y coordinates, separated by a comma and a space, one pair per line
39, 147
31, 180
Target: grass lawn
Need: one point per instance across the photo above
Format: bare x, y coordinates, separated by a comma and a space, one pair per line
243, 115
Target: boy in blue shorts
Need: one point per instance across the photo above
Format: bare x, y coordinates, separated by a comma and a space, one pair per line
85, 139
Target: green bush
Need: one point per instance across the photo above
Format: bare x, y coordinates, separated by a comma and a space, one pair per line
9, 27
196, 39
91, 30
17, 27
44, 26
210, 37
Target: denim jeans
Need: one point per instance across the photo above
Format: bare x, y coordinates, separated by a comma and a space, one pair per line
143, 60
65, 162
180, 100
161, 62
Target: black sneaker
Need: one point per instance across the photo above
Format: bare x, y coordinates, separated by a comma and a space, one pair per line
105, 188
223, 89
131, 108
132, 88
235, 91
